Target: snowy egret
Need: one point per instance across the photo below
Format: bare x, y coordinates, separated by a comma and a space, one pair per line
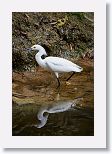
54, 64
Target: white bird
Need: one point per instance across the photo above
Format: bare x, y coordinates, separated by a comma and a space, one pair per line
55, 64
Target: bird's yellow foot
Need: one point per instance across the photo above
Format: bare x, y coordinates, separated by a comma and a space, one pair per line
67, 83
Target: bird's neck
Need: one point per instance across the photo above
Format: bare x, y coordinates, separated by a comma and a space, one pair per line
39, 59
41, 114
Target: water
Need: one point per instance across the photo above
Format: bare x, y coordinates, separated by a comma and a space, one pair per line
39, 109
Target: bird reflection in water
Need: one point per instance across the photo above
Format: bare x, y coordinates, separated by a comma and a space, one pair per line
59, 106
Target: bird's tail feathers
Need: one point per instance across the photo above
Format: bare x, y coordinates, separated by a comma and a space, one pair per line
79, 69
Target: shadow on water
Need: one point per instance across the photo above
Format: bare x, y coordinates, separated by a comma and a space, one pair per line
39, 109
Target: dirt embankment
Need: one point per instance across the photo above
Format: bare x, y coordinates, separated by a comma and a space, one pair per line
68, 35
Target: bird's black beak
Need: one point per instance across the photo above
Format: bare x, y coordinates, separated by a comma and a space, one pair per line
29, 49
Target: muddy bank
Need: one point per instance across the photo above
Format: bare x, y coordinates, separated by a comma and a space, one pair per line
41, 86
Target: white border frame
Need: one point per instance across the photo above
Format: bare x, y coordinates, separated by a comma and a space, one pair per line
99, 138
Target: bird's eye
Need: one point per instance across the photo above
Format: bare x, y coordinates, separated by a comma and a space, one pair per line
34, 47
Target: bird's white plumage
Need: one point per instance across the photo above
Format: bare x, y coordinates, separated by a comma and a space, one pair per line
61, 65
54, 64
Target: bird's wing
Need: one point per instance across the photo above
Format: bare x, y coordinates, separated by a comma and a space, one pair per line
57, 64
55, 67
60, 61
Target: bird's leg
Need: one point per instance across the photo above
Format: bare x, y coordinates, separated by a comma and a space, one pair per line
56, 75
70, 76
58, 83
